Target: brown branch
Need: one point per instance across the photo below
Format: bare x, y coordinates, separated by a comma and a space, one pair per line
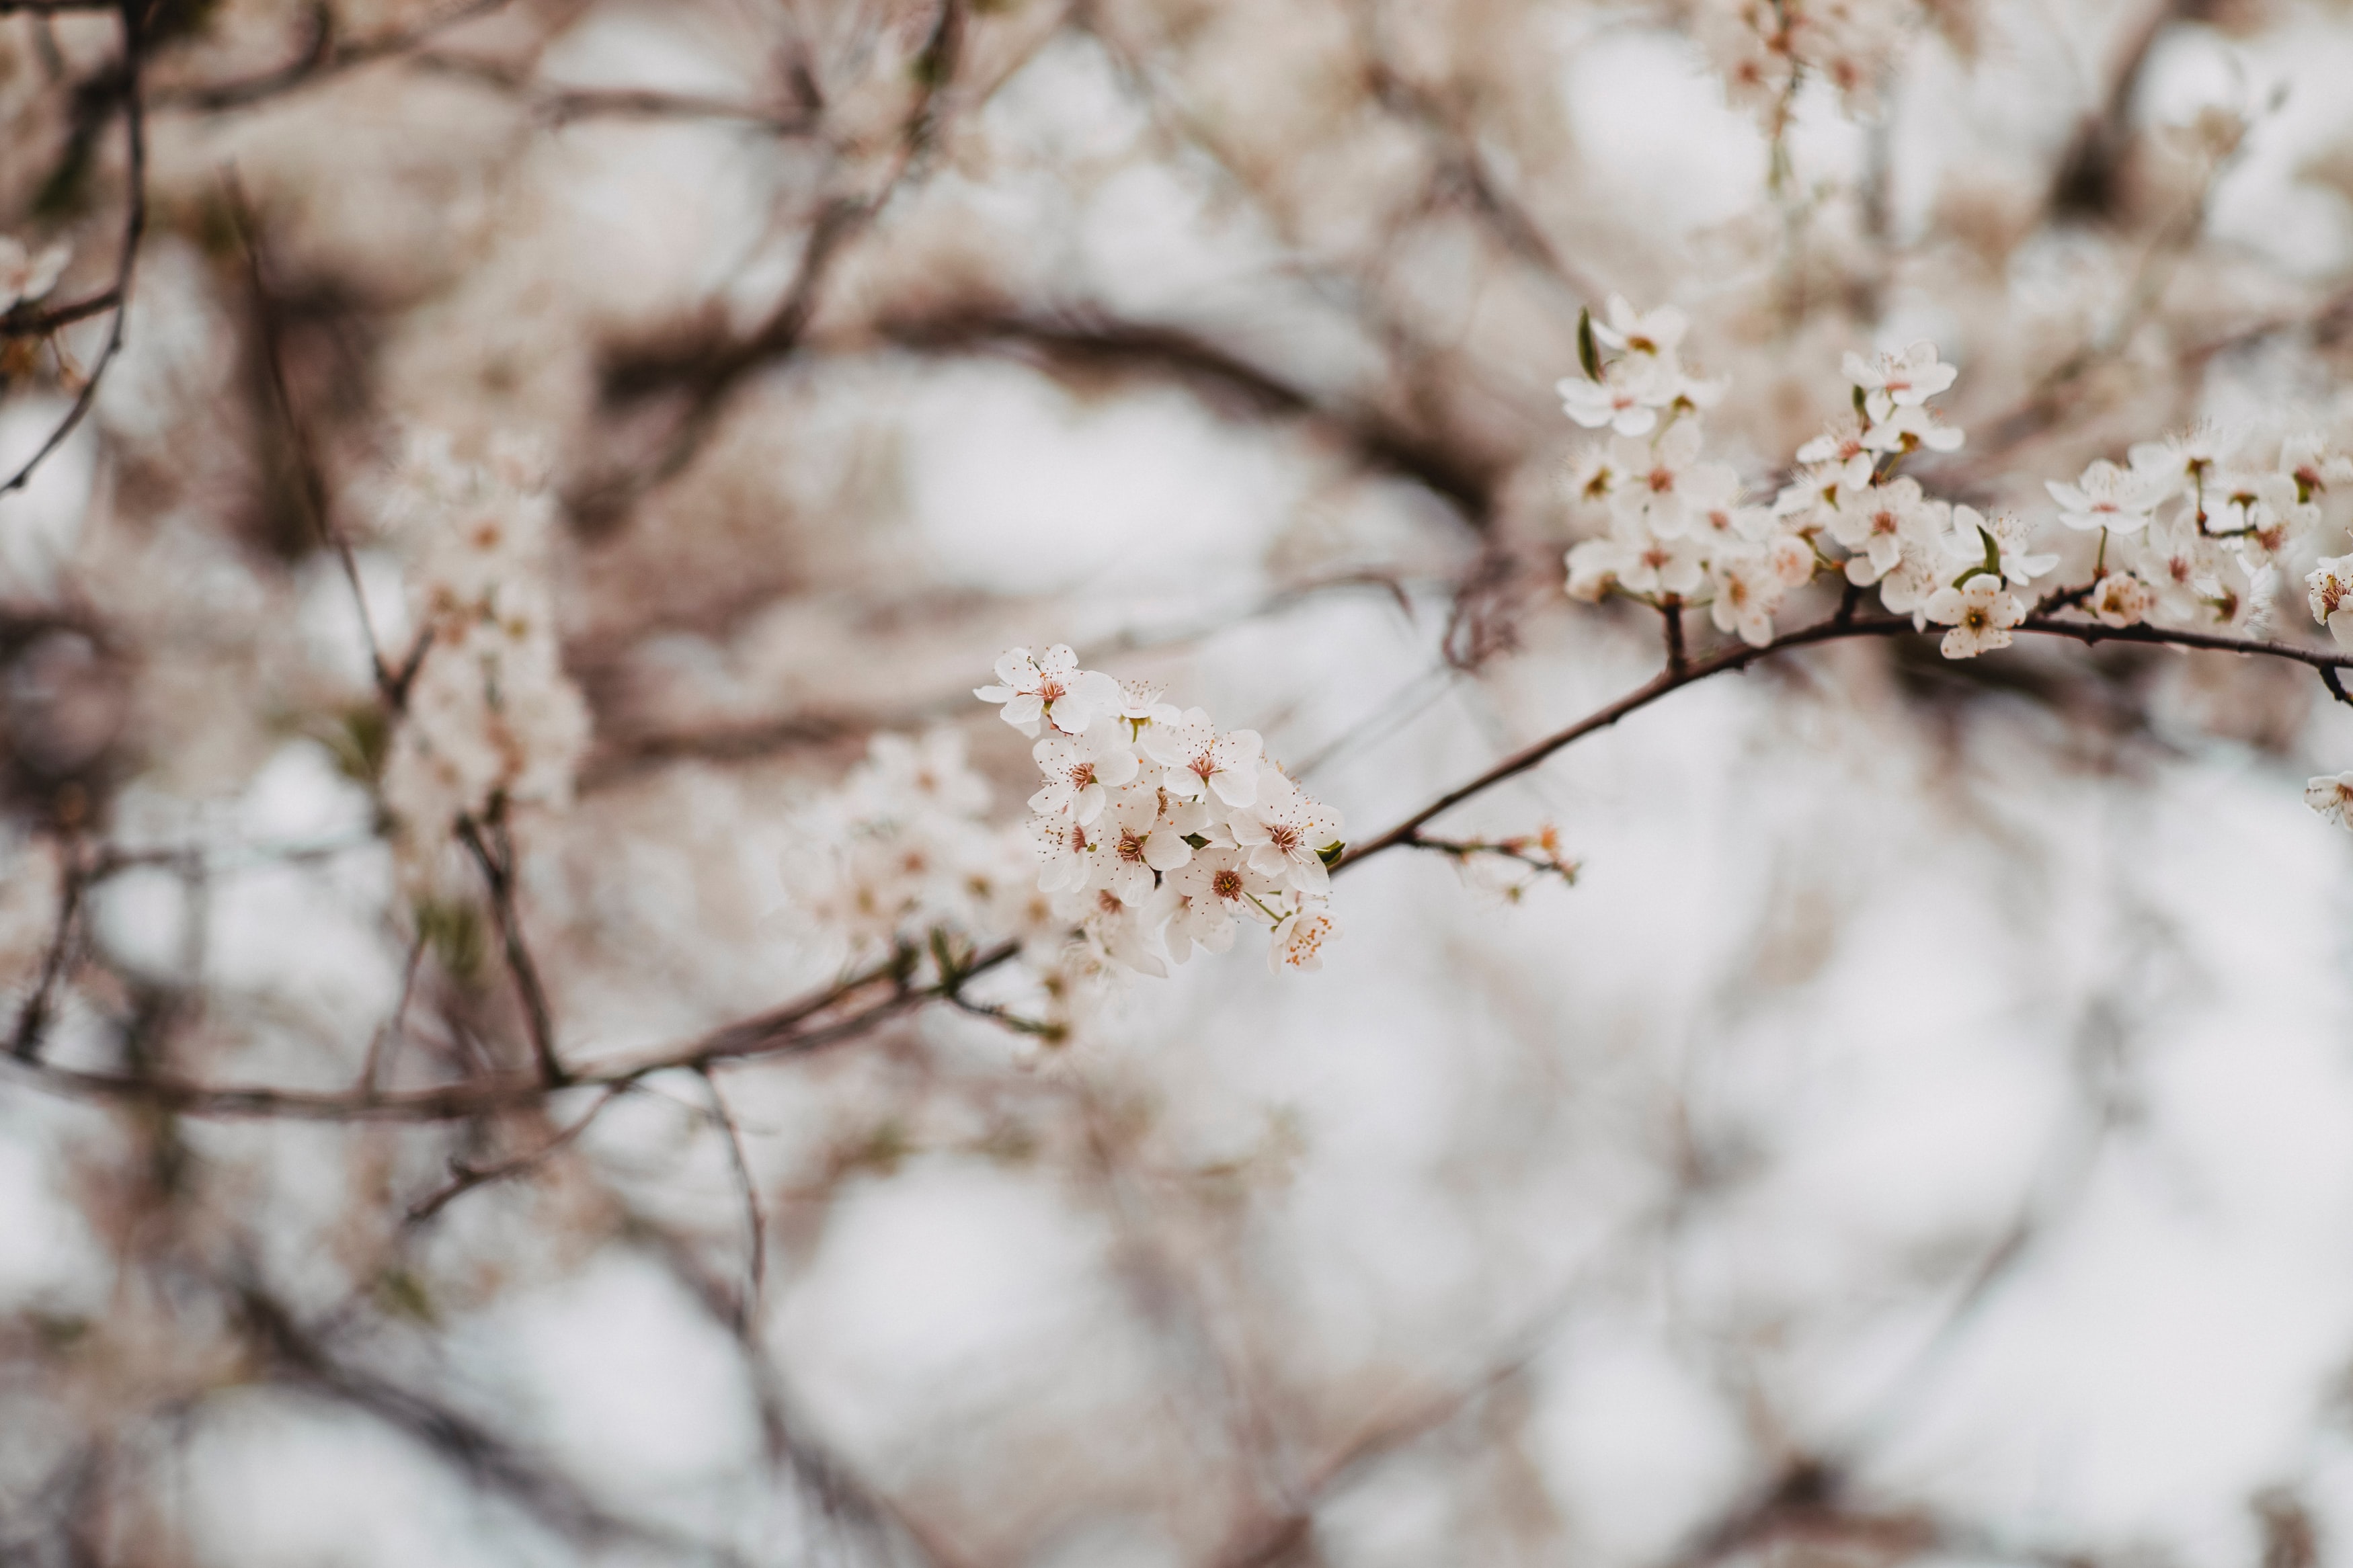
465, 1178
1834, 629
324, 56
25, 321
813, 1024
494, 852
1084, 341
134, 226
33, 1021
295, 1356
756, 1270
838, 1014
310, 479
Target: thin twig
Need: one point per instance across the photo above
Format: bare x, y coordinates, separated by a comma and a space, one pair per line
465, 1178
1834, 629
755, 1222
834, 1016
25, 1042
134, 226
324, 56
310, 479
494, 853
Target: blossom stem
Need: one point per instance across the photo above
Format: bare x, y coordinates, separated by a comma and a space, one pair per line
1833, 629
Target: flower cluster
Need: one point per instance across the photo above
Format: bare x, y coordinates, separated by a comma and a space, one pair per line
1680, 533
1766, 48
1155, 831
2193, 529
901, 857
490, 718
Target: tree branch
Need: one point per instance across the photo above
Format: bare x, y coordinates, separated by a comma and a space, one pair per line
134, 226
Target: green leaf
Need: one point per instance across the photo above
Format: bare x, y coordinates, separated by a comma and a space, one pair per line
1588, 354
1330, 854
1861, 412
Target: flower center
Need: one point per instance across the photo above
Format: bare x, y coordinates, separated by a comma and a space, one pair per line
1283, 837
1131, 847
1083, 774
1227, 884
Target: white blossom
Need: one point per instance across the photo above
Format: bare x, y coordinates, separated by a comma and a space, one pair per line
1198, 760
2120, 599
2106, 495
1049, 690
26, 275
2332, 797
1899, 381
2330, 587
1080, 769
1980, 611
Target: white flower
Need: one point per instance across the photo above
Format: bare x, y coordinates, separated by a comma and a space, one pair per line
1909, 426
1597, 566
2263, 513
1120, 933
1139, 704
1079, 769
1640, 562
26, 276
1877, 524
2008, 535
2177, 463
1627, 398
1593, 474
1284, 830
1220, 877
2307, 460
1067, 860
1299, 940
1655, 334
901, 776
2330, 585
1907, 590
2117, 499
2120, 599
1813, 499
1790, 559
1142, 837
1670, 489
1980, 612
2181, 566
1842, 443
1748, 591
2333, 798
1898, 380
1200, 760
1051, 689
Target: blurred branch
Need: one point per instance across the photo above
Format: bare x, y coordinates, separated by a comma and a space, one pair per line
33, 1019
323, 55
122, 87
309, 476
298, 1359
466, 1177
1838, 627
493, 848
1087, 341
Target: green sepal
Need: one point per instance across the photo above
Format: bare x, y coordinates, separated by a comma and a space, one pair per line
1588, 353
1330, 854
